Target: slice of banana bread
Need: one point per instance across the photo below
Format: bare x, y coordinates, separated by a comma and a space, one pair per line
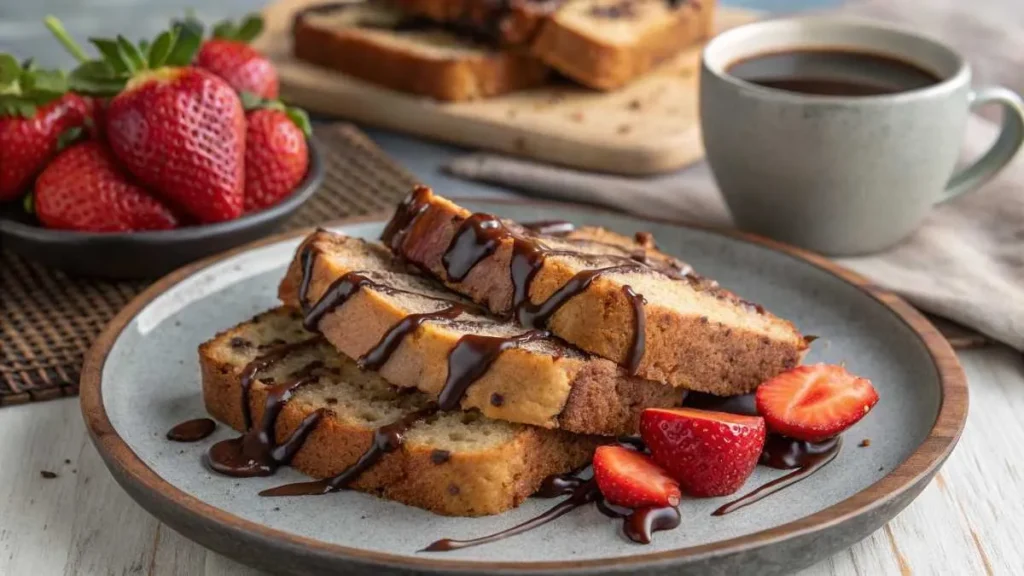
457, 463
662, 322
418, 334
377, 43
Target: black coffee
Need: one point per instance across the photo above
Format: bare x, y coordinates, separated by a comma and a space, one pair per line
832, 73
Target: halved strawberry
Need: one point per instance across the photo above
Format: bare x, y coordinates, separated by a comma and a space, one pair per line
709, 453
631, 479
814, 402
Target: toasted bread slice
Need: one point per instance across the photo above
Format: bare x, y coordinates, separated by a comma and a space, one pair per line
532, 380
377, 43
605, 44
667, 324
456, 464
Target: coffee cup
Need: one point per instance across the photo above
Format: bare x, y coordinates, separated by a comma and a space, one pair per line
839, 135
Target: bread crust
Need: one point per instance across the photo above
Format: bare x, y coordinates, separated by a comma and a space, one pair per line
683, 350
481, 483
575, 392
583, 55
510, 23
362, 55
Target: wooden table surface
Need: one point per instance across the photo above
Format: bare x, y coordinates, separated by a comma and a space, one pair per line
970, 520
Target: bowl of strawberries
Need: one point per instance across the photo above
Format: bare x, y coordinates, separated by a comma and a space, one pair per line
149, 156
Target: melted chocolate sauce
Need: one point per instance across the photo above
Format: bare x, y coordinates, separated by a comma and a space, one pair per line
382, 351
386, 439
470, 359
583, 494
261, 363
557, 485
336, 295
550, 227
779, 451
476, 238
744, 404
537, 315
257, 453
639, 344
641, 523
811, 463
192, 430
405, 216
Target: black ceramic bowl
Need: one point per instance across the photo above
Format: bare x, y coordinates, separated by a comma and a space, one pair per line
132, 255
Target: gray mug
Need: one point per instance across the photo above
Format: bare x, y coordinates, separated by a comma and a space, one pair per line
843, 175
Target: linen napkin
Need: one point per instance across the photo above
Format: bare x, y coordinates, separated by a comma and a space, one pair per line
966, 262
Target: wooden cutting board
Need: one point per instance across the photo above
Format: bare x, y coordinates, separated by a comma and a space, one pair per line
649, 127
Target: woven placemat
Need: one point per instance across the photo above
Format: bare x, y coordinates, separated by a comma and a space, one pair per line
48, 320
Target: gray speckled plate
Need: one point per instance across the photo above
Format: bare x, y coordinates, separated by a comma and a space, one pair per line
141, 378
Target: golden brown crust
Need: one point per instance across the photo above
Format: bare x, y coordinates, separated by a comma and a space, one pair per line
685, 350
468, 484
511, 23
353, 52
583, 55
576, 392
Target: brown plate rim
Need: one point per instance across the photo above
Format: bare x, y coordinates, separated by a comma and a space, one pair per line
920, 465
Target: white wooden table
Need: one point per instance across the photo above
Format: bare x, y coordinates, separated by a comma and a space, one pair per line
970, 520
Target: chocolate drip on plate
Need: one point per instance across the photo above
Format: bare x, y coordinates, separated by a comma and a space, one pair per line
257, 453
192, 430
386, 439
810, 463
470, 359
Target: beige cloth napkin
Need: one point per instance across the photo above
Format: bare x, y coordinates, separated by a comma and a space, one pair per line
966, 262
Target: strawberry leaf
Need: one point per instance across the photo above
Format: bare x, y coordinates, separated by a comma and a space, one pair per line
131, 54
96, 77
111, 54
185, 47
251, 27
25, 109
161, 48
44, 84
250, 101
191, 22
225, 29
301, 119
10, 70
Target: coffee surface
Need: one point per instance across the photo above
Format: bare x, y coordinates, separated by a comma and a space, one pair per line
832, 73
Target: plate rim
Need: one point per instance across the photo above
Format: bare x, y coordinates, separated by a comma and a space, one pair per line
920, 465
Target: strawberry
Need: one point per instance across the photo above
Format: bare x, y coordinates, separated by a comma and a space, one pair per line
631, 479
276, 156
84, 189
709, 453
814, 402
229, 56
179, 130
35, 110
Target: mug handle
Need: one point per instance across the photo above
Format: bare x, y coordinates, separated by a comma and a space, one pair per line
1011, 136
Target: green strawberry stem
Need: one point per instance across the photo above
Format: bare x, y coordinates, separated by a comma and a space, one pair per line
56, 28
250, 27
120, 60
297, 115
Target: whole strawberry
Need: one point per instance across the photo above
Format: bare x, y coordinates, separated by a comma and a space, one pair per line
84, 189
35, 110
276, 155
229, 56
179, 130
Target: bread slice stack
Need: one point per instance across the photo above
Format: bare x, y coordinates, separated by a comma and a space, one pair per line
465, 359
456, 50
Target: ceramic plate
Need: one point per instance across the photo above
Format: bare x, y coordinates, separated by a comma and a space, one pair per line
142, 377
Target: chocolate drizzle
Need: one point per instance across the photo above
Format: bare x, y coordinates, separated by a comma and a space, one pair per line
779, 451
336, 295
550, 227
263, 362
470, 359
810, 462
257, 453
192, 430
477, 238
639, 343
405, 216
377, 356
386, 439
